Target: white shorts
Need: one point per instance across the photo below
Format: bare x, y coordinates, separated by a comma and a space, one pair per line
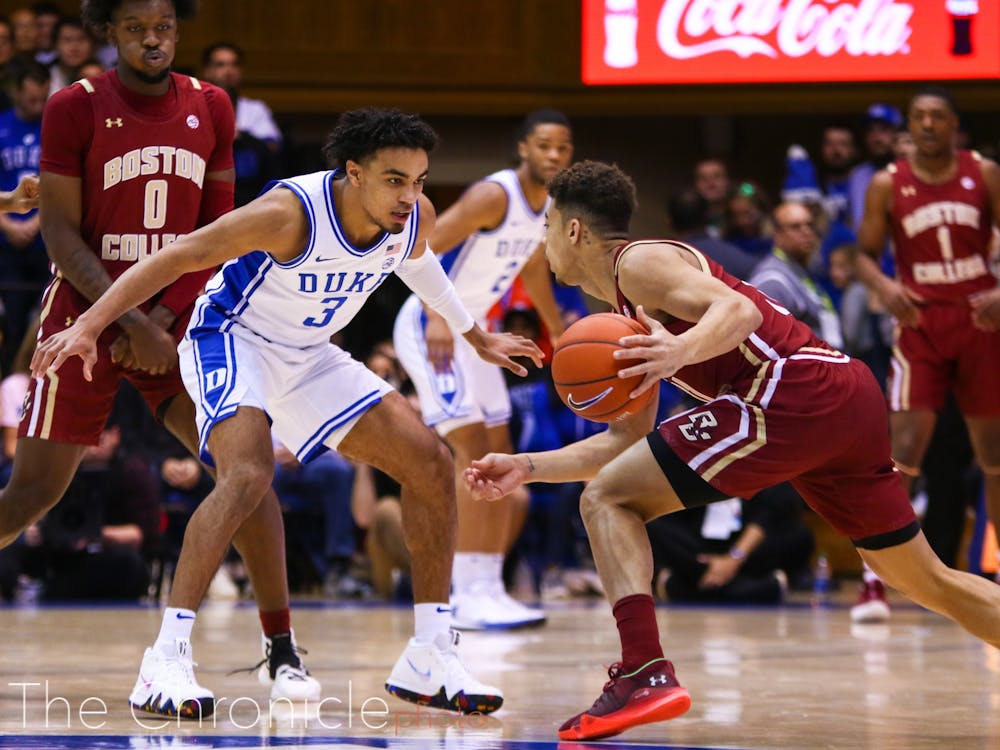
471, 391
313, 396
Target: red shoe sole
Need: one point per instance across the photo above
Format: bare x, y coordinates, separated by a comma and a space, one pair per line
673, 703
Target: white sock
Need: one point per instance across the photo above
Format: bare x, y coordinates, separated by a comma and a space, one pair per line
492, 567
429, 620
464, 571
177, 623
867, 574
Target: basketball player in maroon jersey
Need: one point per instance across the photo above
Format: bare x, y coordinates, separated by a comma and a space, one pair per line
939, 207
131, 160
781, 405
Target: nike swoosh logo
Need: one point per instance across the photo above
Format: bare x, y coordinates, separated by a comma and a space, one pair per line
426, 675
324, 260
581, 405
184, 617
444, 609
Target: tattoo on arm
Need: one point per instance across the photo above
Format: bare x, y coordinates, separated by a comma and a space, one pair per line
531, 465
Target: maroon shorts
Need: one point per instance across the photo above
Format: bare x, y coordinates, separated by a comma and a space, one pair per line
63, 406
818, 421
945, 352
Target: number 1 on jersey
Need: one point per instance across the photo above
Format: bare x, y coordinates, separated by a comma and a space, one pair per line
944, 240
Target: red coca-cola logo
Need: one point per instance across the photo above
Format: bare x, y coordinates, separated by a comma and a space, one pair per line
793, 28
751, 41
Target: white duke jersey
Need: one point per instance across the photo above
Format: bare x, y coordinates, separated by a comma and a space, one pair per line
303, 302
486, 264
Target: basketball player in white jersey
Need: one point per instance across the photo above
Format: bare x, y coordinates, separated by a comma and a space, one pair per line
499, 223
302, 259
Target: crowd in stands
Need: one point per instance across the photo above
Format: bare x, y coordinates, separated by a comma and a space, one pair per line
120, 526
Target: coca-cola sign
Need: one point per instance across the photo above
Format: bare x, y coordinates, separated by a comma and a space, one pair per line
747, 41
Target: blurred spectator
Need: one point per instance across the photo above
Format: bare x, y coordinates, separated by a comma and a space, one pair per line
829, 188
47, 15
375, 503
74, 47
863, 321
747, 224
881, 122
25, 33
258, 139
785, 276
687, 212
6, 55
903, 146
24, 265
99, 538
91, 67
733, 551
711, 180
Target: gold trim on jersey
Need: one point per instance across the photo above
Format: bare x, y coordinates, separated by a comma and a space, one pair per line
50, 403
87, 85
195, 82
899, 394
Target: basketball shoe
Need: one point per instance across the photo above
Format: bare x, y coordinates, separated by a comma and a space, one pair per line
872, 605
488, 606
283, 670
649, 694
432, 675
167, 686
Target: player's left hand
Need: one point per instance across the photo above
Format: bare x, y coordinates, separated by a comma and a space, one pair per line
501, 348
721, 569
986, 309
662, 351
495, 476
121, 353
76, 341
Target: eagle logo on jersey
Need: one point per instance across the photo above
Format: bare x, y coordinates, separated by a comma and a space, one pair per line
698, 424
26, 404
193, 122
112, 122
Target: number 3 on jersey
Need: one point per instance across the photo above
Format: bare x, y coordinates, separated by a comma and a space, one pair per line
154, 214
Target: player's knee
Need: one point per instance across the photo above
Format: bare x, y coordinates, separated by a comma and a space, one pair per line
250, 479
595, 498
435, 472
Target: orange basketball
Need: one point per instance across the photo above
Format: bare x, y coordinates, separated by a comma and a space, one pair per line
585, 371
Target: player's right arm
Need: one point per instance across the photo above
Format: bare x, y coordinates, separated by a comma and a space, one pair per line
482, 206
275, 221
872, 235
496, 475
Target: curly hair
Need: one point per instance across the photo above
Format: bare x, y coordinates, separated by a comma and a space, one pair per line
360, 133
99, 13
601, 194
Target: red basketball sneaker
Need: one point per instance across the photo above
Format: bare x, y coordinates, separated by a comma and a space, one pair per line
872, 605
649, 694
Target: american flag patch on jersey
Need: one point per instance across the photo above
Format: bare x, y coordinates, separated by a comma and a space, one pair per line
393, 249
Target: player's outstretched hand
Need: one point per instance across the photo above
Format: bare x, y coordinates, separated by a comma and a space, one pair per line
986, 310
24, 197
501, 348
495, 475
75, 341
662, 351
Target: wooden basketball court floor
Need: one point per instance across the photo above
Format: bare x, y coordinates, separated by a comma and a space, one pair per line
792, 677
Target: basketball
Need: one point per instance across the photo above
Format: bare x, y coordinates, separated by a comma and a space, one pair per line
585, 371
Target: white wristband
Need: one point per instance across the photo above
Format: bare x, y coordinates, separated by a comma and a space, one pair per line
428, 281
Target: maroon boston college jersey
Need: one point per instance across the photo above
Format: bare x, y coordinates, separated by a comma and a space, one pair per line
142, 160
941, 232
744, 370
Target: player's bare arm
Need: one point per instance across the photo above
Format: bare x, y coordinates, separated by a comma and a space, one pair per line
496, 475
986, 305
482, 206
872, 235
23, 198
275, 221
538, 283
663, 282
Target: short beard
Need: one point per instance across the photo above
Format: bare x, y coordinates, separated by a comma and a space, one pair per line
150, 79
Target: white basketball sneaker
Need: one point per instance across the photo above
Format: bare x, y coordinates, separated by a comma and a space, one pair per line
167, 686
432, 675
488, 606
284, 671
